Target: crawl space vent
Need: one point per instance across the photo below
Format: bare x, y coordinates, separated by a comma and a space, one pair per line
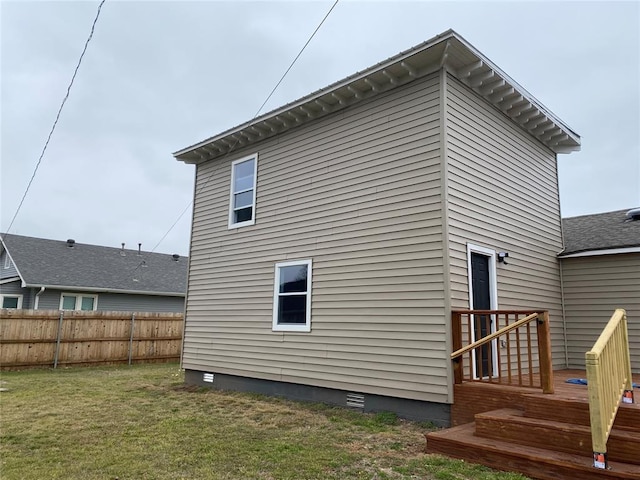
355, 400
208, 377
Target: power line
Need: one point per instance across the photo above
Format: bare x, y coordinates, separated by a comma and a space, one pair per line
254, 116
55, 123
296, 59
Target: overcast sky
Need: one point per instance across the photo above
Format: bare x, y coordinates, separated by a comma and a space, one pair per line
159, 76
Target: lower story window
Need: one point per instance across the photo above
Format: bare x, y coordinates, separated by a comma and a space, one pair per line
292, 296
11, 301
69, 301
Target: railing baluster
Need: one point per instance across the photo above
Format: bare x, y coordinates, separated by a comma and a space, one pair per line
608, 378
509, 365
486, 331
470, 319
519, 357
498, 347
529, 355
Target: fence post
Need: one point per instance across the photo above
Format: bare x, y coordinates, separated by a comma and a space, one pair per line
544, 350
55, 358
133, 322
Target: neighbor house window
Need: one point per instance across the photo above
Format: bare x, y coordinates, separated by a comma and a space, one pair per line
292, 297
7, 261
11, 301
242, 202
69, 301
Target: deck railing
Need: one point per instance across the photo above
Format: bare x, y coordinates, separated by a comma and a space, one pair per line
609, 381
502, 347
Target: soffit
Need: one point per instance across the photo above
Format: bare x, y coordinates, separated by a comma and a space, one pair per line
448, 50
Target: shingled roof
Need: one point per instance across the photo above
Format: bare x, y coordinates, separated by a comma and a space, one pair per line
600, 232
51, 263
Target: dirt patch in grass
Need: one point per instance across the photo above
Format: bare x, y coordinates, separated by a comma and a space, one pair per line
142, 422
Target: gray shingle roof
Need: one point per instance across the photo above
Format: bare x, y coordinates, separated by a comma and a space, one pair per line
52, 263
602, 231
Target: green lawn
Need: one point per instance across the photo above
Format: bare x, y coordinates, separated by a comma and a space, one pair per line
141, 423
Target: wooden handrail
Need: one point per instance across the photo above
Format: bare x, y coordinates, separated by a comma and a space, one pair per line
516, 361
609, 381
494, 335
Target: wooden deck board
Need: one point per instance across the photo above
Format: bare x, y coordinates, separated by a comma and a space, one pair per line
512, 426
461, 442
544, 436
477, 397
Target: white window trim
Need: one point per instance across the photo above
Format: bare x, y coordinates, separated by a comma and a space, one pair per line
79, 297
253, 156
2, 297
306, 327
7, 261
493, 285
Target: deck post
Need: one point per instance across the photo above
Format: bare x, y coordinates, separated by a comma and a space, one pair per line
544, 350
627, 396
456, 333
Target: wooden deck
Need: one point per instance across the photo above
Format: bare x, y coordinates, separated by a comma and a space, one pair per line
544, 436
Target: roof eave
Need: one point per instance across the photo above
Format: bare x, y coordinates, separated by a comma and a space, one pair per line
15, 265
75, 288
598, 252
448, 50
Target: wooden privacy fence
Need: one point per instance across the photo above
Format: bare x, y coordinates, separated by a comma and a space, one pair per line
609, 382
52, 338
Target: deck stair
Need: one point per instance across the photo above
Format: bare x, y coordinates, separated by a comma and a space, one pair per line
541, 436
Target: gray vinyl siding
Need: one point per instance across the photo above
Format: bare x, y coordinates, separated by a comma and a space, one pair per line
7, 272
358, 192
12, 288
120, 302
593, 288
15, 288
503, 195
117, 302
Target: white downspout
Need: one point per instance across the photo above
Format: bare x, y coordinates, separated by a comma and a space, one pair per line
37, 302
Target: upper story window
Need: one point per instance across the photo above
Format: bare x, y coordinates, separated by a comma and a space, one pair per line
7, 261
292, 297
242, 203
11, 301
70, 301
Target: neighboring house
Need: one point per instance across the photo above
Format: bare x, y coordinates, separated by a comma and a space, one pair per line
333, 236
41, 274
600, 271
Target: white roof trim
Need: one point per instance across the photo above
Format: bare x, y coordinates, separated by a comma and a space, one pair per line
105, 290
4, 245
594, 253
448, 50
9, 280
